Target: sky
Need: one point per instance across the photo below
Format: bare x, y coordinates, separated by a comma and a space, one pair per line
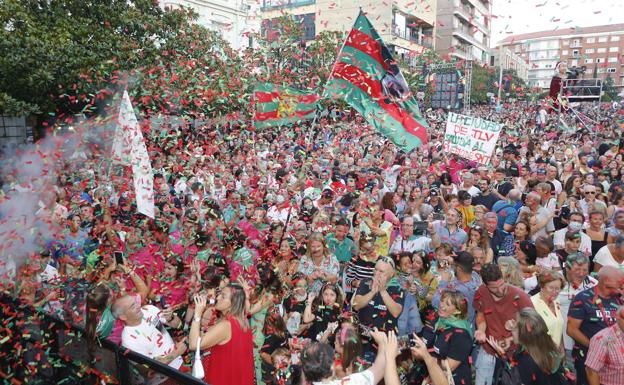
512, 17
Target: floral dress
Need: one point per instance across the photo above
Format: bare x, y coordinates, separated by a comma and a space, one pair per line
329, 264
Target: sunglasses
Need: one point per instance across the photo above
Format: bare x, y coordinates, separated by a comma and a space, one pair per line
590, 192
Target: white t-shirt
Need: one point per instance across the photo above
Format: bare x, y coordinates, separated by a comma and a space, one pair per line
559, 241
362, 378
147, 339
551, 261
415, 243
605, 258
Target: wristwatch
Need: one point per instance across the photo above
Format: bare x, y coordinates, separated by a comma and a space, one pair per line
196, 319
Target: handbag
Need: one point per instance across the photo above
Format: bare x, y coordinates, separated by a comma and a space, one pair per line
198, 367
508, 374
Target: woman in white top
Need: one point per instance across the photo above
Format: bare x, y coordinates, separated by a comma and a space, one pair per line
610, 255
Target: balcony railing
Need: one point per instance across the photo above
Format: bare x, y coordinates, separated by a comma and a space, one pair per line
411, 35
268, 5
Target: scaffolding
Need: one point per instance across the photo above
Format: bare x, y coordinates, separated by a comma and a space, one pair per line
467, 86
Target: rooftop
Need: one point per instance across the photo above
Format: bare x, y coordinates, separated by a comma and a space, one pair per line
563, 32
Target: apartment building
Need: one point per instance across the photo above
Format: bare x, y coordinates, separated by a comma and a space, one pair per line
463, 29
235, 20
406, 27
600, 49
504, 57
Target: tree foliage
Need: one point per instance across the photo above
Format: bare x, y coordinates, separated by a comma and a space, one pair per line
66, 47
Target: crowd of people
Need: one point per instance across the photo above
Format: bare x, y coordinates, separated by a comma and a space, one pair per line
327, 256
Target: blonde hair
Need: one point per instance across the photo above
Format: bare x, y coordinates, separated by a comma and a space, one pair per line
547, 276
512, 274
458, 300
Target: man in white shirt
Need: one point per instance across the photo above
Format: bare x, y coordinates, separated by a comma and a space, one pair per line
144, 332
468, 184
409, 242
551, 176
575, 224
589, 203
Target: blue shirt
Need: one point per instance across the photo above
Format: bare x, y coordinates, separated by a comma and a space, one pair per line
468, 289
457, 238
506, 212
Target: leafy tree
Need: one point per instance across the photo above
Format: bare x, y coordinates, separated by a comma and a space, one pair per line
55, 55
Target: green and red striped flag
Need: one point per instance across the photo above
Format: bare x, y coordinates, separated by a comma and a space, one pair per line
279, 105
366, 76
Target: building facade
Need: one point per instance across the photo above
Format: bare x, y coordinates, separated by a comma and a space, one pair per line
508, 60
599, 49
406, 29
235, 20
463, 29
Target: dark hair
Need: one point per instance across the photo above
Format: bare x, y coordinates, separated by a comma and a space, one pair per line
274, 324
351, 347
97, 300
399, 256
490, 272
387, 203
316, 361
343, 222
425, 259
464, 260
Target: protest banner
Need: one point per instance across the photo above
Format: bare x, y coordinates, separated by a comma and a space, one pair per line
471, 138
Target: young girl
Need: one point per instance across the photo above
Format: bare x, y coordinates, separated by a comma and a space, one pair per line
295, 303
322, 310
443, 260
349, 351
275, 337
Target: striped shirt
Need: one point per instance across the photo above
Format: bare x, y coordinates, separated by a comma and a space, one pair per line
606, 355
359, 269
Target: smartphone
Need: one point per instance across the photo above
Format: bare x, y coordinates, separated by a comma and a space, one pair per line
163, 303
119, 257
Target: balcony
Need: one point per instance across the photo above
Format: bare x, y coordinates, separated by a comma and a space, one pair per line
463, 34
268, 5
468, 15
413, 36
576, 44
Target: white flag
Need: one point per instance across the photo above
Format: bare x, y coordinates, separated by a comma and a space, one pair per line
129, 149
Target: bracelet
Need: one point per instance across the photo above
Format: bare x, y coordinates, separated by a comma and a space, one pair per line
196, 319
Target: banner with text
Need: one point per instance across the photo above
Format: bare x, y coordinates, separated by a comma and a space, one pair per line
471, 138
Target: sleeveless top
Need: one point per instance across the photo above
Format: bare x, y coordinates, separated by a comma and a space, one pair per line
231, 363
597, 245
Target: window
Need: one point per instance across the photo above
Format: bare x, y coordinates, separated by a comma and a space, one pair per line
599, 60
589, 61
611, 70
590, 39
601, 70
613, 59
601, 50
614, 49
565, 42
615, 38
602, 39
589, 50
575, 53
564, 52
574, 62
576, 43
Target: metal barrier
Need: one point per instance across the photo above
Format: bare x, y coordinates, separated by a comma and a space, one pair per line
39, 348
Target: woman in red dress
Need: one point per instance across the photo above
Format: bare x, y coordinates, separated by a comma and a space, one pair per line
230, 341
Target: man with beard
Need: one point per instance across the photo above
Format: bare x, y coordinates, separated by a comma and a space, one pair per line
485, 198
496, 304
